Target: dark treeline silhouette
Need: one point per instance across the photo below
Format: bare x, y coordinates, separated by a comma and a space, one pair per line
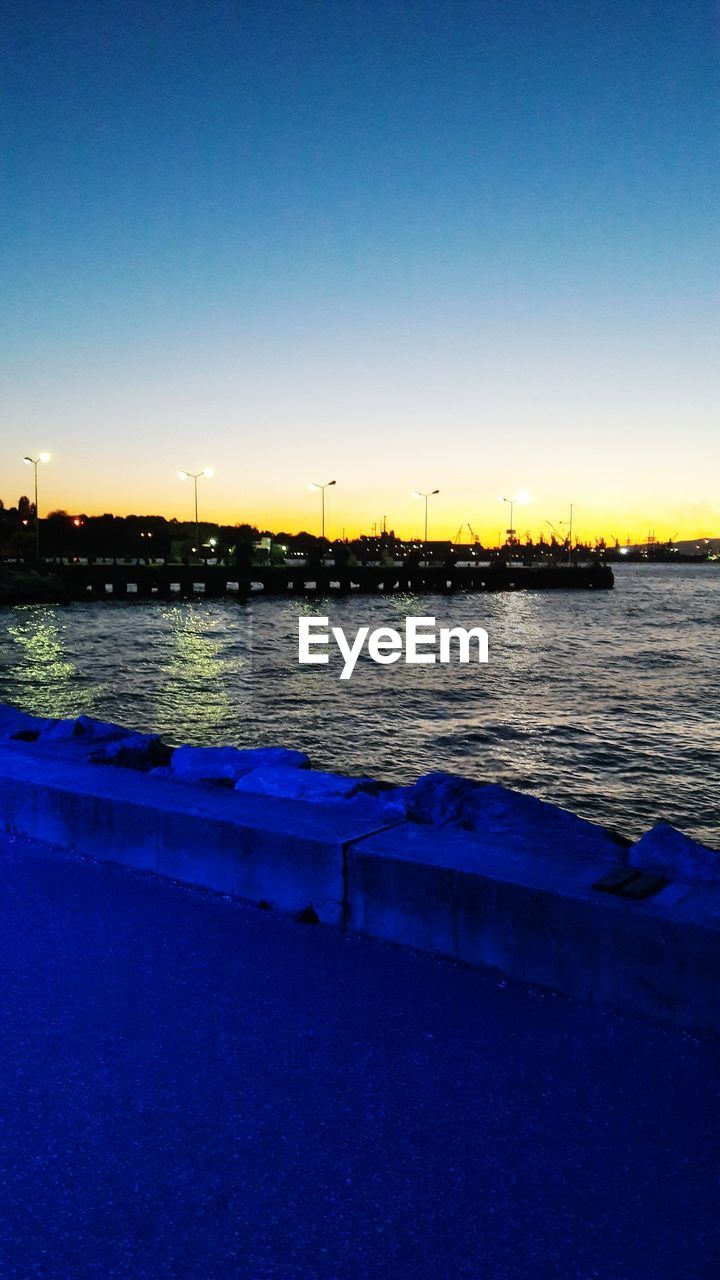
141, 537
151, 537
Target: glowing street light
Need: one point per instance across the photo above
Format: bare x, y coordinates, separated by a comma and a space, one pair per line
417, 493
520, 498
322, 488
207, 472
35, 462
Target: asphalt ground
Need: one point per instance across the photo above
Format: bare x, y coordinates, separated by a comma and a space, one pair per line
195, 1088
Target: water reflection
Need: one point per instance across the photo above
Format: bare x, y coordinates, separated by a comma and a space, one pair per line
202, 673
598, 701
44, 679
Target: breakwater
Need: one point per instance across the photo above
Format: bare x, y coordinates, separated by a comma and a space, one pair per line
477, 873
167, 581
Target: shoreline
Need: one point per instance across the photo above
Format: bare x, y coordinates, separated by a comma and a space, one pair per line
473, 872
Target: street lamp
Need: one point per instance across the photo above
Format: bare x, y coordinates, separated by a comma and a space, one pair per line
195, 476
521, 497
34, 462
322, 488
430, 494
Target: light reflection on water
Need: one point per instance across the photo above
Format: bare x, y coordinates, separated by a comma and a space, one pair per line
200, 668
604, 702
45, 678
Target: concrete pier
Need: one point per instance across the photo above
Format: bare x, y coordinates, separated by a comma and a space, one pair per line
144, 581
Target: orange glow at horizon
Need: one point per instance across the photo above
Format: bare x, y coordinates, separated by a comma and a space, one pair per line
120, 450
406, 247
350, 512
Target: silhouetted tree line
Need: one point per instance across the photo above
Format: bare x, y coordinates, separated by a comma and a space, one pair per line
152, 537
108, 536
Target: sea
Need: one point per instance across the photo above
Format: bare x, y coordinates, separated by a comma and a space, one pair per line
605, 702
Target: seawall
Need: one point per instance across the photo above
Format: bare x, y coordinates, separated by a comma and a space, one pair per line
478, 874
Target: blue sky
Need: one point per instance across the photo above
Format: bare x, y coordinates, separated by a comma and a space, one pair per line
465, 245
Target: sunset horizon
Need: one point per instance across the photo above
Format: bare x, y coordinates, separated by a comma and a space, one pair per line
351, 513
419, 247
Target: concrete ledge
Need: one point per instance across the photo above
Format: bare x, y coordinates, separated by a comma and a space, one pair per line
515, 895
254, 847
541, 922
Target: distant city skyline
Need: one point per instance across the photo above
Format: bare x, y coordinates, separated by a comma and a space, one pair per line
538, 528
420, 245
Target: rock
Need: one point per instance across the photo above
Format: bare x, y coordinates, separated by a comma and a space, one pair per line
440, 799
81, 727
446, 800
304, 784
142, 751
508, 811
225, 765
395, 803
667, 851
60, 730
14, 722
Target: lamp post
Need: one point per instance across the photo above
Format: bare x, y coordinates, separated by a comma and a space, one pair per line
417, 493
509, 532
34, 462
521, 497
322, 488
195, 476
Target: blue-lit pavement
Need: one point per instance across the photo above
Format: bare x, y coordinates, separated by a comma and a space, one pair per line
196, 1089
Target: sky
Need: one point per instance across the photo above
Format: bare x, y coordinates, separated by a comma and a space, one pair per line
466, 246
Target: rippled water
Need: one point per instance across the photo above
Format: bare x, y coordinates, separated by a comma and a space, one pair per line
605, 702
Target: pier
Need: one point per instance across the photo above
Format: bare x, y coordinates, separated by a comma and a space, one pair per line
82, 581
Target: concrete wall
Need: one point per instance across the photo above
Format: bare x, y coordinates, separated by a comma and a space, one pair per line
253, 847
485, 900
542, 923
